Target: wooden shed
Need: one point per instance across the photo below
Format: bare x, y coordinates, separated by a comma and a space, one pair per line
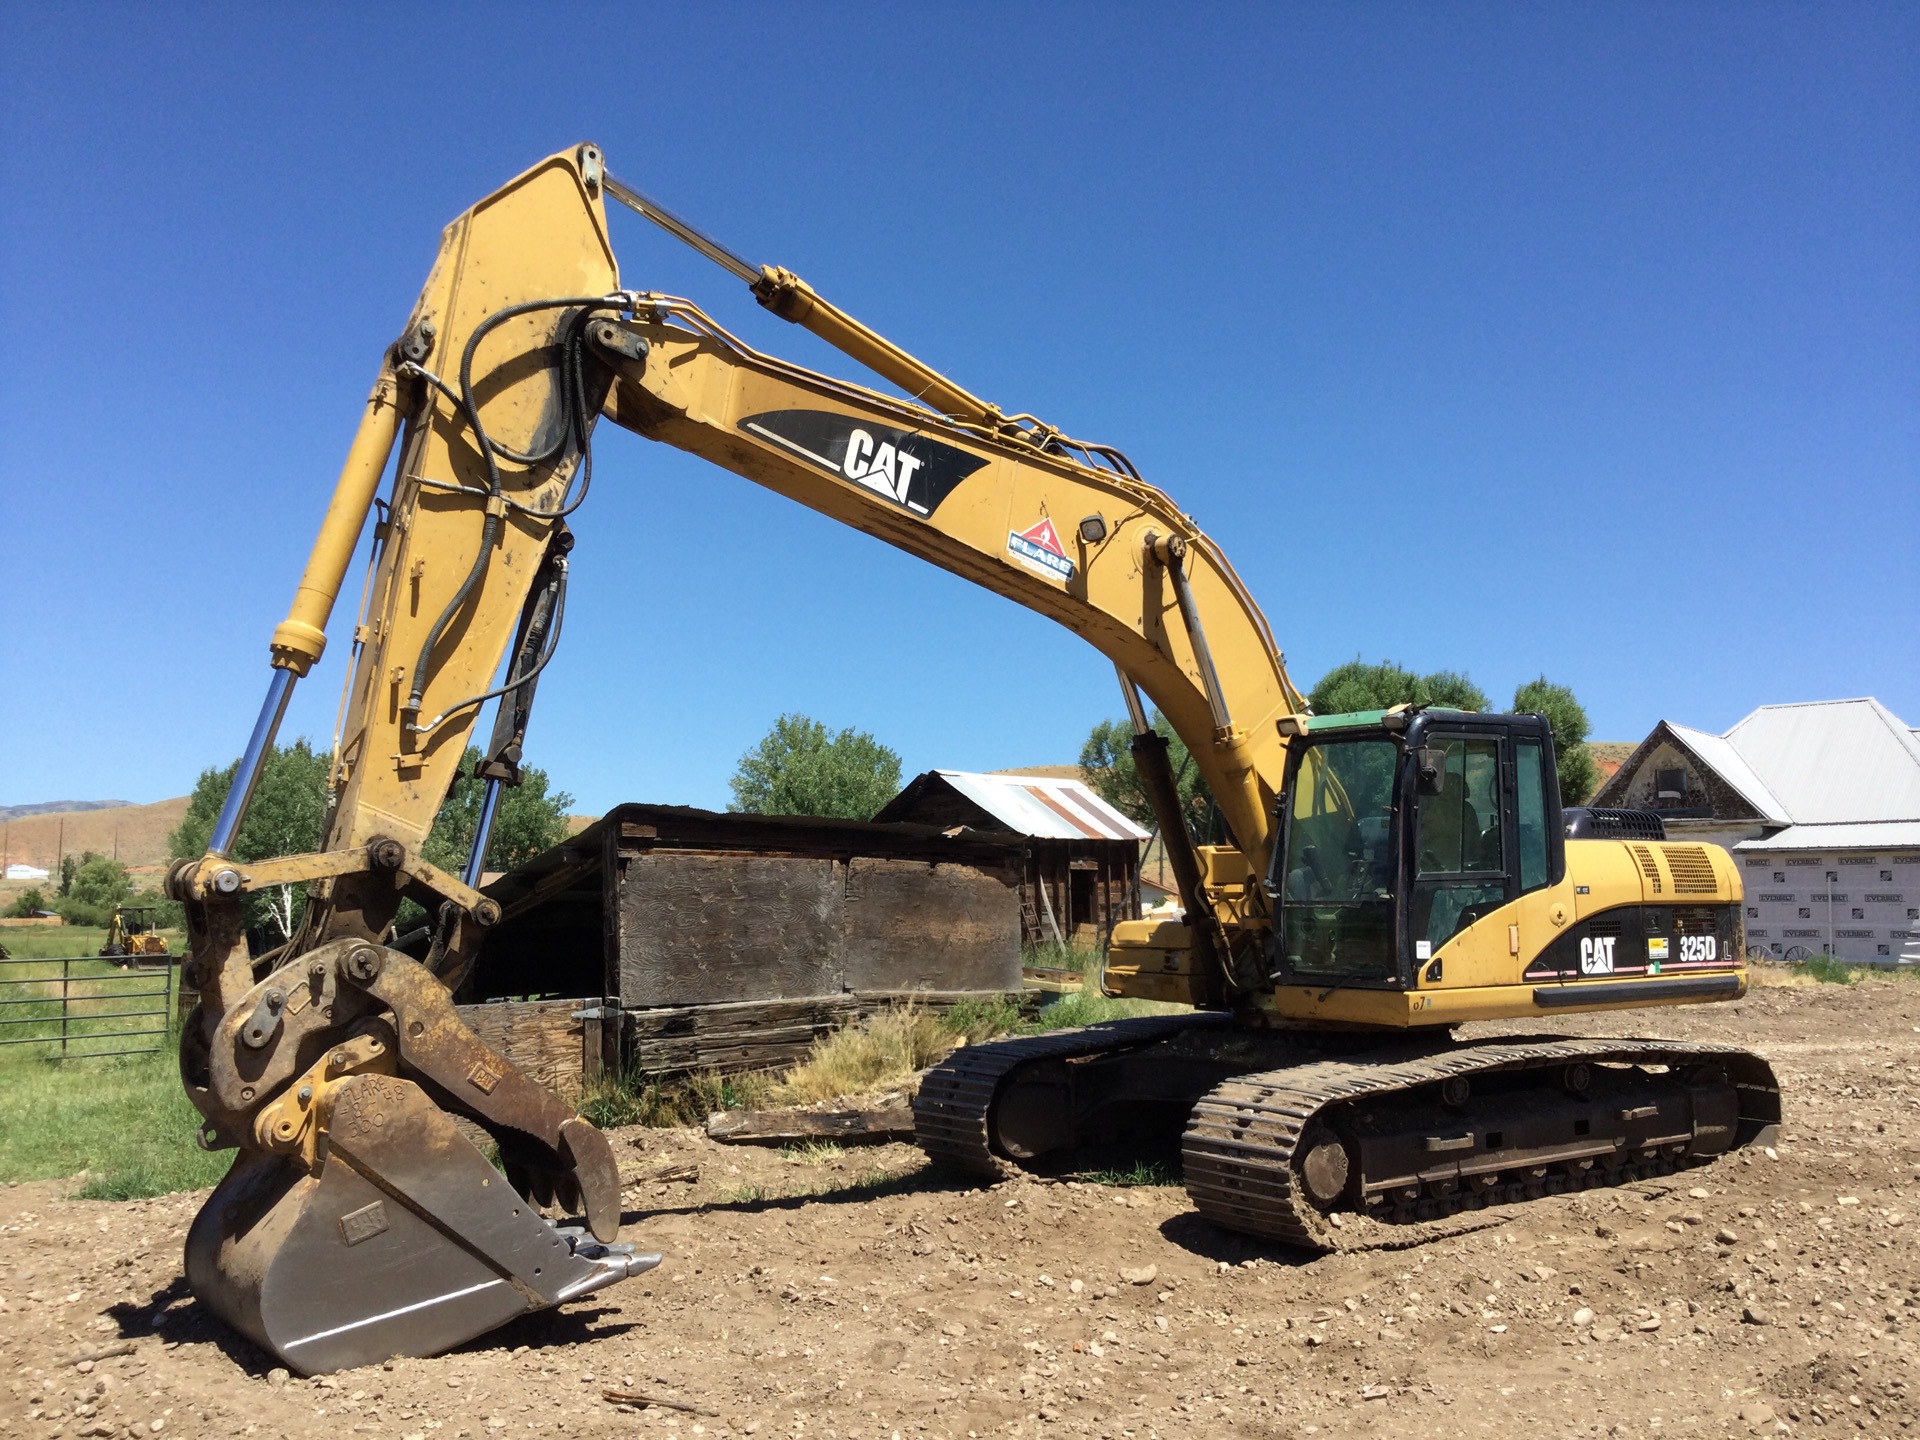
679, 939
1082, 871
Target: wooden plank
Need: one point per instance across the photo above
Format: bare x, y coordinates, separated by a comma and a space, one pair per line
786, 1127
762, 1035
662, 1022
541, 1037
910, 925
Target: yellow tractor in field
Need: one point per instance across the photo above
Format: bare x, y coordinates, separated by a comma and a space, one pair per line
131, 934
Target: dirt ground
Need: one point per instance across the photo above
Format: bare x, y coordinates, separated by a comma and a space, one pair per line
854, 1296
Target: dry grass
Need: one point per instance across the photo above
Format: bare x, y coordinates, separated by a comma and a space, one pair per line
813, 1152
137, 833
641, 1099
885, 1051
889, 1048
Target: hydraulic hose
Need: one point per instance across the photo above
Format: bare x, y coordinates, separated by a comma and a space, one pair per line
573, 434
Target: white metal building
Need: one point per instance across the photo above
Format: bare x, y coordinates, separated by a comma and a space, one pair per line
1820, 804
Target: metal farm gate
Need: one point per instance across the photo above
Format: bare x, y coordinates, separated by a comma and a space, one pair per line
81, 1008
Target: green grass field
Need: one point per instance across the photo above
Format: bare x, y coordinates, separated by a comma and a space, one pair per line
39, 942
122, 1119
126, 1122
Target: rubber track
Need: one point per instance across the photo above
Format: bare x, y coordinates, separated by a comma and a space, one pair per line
1239, 1147
951, 1112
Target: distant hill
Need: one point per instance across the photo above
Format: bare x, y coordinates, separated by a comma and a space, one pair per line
136, 833
55, 807
1610, 755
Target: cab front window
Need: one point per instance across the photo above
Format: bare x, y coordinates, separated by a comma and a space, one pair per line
1336, 897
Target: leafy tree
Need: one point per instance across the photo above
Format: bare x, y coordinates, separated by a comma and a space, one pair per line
526, 821
288, 817
1360, 686
168, 913
798, 768
1357, 685
99, 884
1106, 762
69, 867
1567, 718
30, 902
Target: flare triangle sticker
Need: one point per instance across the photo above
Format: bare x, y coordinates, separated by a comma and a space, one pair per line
1038, 548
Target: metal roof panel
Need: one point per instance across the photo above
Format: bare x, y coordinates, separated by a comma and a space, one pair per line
1718, 752
1833, 761
1868, 835
1045, 808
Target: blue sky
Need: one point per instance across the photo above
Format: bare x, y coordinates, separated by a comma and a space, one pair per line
1505, 338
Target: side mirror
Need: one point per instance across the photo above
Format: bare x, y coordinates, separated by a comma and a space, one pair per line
1430, 765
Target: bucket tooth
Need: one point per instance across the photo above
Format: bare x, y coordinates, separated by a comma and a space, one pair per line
407, 1243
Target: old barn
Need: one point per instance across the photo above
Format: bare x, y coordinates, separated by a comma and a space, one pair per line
1082, 870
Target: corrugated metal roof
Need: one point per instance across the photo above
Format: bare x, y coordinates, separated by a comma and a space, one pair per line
1727, 762
1869, 835
1833, 761
1042, 807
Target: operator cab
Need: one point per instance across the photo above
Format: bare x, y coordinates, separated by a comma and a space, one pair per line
1397, 830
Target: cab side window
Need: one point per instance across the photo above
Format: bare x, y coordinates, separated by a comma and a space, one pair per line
1530, 764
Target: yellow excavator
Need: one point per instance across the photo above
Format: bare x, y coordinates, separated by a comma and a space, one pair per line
1383, 877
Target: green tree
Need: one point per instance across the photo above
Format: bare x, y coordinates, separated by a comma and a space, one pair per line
99, 884
1567, 718
526, 821
168, 914
798, 768
69, 867
30, 902
288, 817
1357, 685
285, 817
1106, 763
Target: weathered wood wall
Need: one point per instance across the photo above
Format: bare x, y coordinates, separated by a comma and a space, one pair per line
544, 1038
732, 942
539, 1036
720, 929
768, 1035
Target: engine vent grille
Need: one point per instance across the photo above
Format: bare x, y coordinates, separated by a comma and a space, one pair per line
1649, 867
1691, 869
1695, 919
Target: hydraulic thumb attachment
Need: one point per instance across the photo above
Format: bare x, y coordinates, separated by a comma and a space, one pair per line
360, 1221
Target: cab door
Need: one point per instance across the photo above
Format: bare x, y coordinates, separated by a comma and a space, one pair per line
1464, 837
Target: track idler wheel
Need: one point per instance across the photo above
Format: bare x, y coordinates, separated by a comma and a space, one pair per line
406, 1243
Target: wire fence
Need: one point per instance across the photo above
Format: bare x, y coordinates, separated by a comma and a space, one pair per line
80, 1007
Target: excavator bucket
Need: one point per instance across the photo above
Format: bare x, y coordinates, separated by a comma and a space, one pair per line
406, 1243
